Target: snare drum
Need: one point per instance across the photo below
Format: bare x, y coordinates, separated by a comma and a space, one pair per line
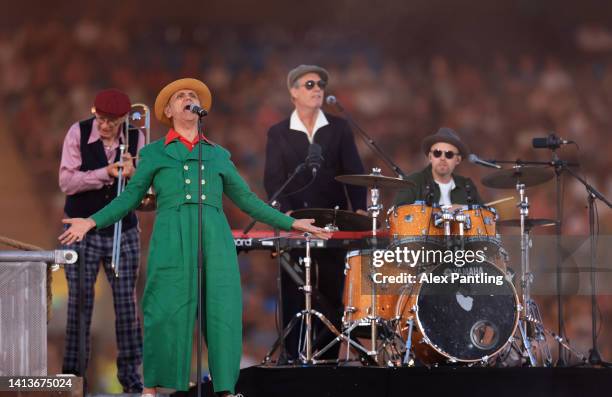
467, 321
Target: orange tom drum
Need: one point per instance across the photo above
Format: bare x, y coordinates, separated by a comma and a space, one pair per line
362, 297
413, 226
480, 233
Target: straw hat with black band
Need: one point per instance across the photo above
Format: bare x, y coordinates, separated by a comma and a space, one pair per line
166, 93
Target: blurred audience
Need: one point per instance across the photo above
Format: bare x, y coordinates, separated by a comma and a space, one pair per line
49, 71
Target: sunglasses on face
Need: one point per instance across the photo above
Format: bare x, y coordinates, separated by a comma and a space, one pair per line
449, 154
310, 84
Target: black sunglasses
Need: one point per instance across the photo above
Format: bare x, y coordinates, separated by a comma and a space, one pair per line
310, 84
449, 154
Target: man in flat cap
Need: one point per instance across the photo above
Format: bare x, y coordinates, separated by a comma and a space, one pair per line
88, 176
288, 146
437, 183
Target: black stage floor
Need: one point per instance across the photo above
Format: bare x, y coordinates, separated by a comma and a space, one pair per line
326, 381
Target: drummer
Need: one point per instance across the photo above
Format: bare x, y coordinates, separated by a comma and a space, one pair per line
437, 184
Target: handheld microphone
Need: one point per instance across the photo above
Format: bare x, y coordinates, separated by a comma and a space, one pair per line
477, 160
315, 159
550, 142
196, 109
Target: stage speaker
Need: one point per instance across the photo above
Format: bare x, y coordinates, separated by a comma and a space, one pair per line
23, 318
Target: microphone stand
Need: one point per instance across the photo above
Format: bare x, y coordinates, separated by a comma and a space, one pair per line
528, 162
298, 169
81, 320
370, 142
594, 354
200, 259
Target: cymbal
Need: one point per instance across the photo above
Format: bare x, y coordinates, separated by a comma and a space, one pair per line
375, 181
344, 220
527, 175
530, 223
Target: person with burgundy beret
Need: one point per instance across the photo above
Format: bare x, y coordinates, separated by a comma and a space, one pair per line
88, 175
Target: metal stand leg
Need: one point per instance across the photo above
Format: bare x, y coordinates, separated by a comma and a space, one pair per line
408, 342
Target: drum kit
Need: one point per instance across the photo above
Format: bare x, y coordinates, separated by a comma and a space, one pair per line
481, 320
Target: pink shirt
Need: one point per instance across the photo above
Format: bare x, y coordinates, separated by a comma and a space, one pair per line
71, 179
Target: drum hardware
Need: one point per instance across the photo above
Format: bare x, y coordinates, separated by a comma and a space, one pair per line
529, 223
407, 360
335, 219
525, 176
374, 181
529, 307
528, 175
116, 252
305, 317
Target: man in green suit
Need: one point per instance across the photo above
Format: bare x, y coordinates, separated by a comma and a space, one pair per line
170, 165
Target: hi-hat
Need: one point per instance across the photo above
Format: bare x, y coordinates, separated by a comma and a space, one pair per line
529, 223
343, 220
508, 179
375, 181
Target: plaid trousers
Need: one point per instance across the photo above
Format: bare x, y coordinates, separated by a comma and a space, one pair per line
128, 332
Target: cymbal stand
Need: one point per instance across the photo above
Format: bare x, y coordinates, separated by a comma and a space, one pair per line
529, 308
374, 208
372, 320
526, 278
305, 317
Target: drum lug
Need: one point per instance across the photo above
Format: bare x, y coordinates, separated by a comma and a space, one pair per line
423, 232
468, 222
